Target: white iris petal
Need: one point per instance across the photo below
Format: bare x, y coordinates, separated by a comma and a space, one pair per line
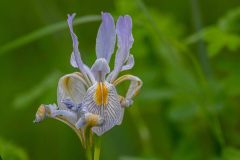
112, 111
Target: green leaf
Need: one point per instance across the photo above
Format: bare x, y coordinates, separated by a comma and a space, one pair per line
225, 34
217, 40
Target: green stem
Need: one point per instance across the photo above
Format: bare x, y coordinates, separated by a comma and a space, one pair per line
88, 143
88, 153
44, 32
97, 147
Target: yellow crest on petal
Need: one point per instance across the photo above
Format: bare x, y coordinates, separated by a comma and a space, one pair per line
101, 94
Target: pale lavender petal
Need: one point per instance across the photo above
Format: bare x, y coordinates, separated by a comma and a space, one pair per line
124, 33
111, 113
77, 57
125, 41
66, 114
100, 68
89, 73
129, 64
73, 61
106, 37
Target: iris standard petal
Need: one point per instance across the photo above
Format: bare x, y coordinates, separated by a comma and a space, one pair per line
102, 99
124, 33
76, 59
73, 61
106, 37
72, 86
125, 41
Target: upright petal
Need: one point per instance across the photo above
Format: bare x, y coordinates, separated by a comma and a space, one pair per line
73, 61
125, 41
124, 33
75, 58
106, 37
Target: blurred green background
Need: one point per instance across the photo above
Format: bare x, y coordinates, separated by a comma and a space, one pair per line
186, 53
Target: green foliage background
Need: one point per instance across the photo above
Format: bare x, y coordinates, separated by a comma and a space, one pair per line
186, 53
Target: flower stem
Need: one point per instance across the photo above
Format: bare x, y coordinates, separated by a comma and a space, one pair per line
88, 137
97, 147
88, 153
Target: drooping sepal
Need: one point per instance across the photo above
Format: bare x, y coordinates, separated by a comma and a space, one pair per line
108, 107
73, 87
133, 89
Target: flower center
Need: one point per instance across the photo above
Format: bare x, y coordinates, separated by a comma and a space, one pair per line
101, 94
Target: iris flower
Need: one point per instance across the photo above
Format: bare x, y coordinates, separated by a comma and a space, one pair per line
89, 97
